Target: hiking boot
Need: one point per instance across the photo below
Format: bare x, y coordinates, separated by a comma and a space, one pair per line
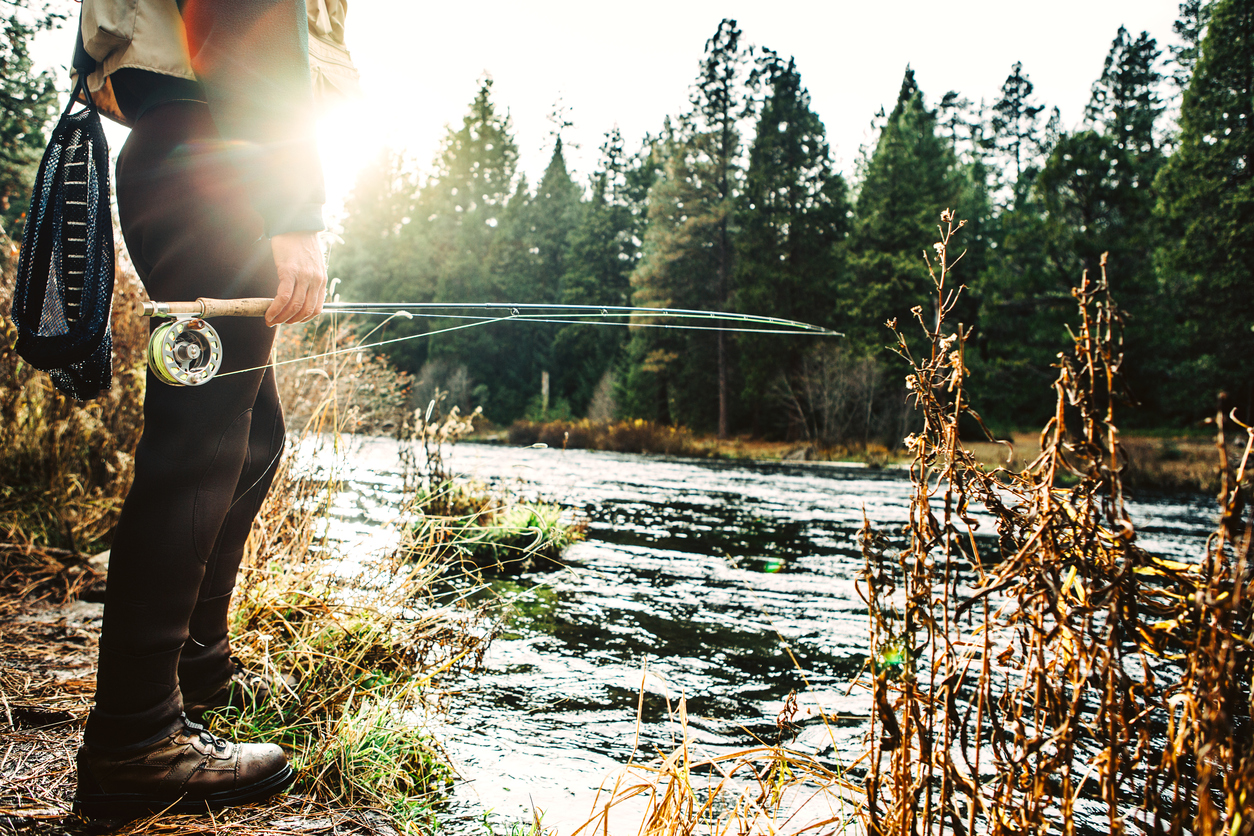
244, 689
188, 771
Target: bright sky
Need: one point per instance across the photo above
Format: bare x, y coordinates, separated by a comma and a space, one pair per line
631, 64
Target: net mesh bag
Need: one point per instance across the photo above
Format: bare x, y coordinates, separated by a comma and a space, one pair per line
64, 294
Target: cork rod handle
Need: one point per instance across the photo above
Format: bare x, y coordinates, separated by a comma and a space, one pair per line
209, 307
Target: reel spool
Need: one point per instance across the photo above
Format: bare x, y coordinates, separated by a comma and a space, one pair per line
185, 352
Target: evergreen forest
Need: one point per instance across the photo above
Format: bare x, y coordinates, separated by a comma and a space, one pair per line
734, 204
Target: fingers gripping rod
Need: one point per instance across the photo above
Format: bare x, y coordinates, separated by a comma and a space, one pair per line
187, 351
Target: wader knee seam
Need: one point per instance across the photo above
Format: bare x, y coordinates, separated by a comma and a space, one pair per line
206, 520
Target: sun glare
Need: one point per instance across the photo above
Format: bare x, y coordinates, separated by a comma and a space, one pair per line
347, 142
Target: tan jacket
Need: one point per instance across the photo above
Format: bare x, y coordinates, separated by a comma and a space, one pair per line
149, 35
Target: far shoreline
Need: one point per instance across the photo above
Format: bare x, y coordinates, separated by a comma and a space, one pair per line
1153, 461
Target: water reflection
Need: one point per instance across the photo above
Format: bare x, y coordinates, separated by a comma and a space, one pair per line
729, 583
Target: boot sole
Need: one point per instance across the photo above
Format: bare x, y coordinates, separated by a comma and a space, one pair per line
135, 805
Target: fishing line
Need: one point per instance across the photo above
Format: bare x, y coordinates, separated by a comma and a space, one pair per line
520, 318
338, 351
544, 309
187, 351
577, 318
278, 455
590, 319
579, 315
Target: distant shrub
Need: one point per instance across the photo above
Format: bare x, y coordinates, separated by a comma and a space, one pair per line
634, 436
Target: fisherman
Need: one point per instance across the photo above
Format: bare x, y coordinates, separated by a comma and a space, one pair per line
220, 193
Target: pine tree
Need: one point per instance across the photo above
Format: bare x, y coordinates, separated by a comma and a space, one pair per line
558, 208
1190, 28
1126, 103
464, 201
604, 250
1016, 132
1116, 191
507, 359
375, 257
1207, 205
378, 258
793, 223
28, 102
445, 244
530, 255
953, 118
1093, 195
688, 256
717, 106
910, 178
1097, 185
674, 373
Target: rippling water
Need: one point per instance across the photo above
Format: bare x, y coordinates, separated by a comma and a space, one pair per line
731, 584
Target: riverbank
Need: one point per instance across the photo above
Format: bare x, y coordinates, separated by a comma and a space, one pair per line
1155, 462
292, 618
48, 639
362, 635
640, 436
361, 641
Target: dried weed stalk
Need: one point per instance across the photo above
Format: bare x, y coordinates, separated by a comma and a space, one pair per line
1055, 677
66, 465
769, 789
357, 650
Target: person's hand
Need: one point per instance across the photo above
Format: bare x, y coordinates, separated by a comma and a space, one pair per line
302, 278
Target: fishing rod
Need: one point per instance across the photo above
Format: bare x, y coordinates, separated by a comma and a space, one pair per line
187, 351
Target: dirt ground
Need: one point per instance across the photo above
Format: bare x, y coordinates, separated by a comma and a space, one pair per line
46, 683
48, 641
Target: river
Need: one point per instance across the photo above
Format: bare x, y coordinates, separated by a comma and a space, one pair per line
729, 583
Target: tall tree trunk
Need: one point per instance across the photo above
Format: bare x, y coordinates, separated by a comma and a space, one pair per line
723, 257
722, 385
664, 401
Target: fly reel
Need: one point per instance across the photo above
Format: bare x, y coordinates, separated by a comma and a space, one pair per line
186, 351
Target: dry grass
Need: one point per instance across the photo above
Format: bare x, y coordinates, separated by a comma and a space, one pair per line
1179, 463
359, 652
631, 436
1149, 462
1061, 672
65, 466
353, 392
767, 789
639, 436
1065, 671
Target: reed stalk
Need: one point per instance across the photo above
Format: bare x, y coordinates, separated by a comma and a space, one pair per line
1032, 668
1055, 676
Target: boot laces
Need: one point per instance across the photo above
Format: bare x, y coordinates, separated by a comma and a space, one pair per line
206, 737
